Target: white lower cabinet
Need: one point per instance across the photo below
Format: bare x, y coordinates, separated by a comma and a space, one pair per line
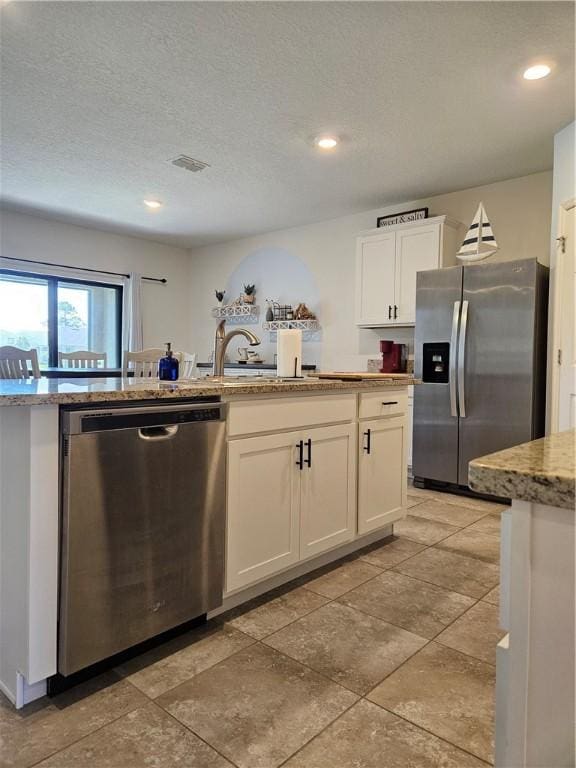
328, 494
279, 513
381, 472
297, 493
263, 530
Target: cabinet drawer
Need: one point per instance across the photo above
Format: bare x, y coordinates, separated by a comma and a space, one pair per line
247, 417
386, 402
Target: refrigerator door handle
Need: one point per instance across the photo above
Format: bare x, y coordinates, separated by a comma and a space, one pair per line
452, 372
461, 359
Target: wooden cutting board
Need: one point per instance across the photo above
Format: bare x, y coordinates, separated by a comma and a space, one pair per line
360, 375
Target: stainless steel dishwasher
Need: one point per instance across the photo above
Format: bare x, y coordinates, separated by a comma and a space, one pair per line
142, 527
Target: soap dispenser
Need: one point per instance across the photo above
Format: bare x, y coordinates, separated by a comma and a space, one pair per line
168, 365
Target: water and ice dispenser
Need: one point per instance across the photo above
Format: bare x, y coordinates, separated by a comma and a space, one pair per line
435, 362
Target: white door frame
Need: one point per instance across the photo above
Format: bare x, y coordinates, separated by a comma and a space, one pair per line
566, 206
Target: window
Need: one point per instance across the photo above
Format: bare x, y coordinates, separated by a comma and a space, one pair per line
53, 315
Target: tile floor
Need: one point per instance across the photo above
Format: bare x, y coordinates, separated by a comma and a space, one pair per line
382, 660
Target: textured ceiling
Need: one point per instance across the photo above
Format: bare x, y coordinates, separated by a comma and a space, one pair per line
428, 97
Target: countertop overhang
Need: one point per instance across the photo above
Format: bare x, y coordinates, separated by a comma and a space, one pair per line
66, 391
541, 471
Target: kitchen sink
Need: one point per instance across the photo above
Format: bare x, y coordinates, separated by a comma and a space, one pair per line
249, 379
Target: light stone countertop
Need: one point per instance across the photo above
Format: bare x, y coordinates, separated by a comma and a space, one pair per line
70, 391
542, 471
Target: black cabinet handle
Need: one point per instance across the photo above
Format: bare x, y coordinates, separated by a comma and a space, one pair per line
389, 312
308, 460
395, 312
368, 436
390, 402
300, 462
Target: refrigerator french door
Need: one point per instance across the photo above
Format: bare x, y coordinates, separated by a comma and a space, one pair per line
480, 351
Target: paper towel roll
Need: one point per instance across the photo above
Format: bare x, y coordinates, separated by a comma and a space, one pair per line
289, 351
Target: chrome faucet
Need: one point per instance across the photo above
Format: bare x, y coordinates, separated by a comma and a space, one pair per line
221, 341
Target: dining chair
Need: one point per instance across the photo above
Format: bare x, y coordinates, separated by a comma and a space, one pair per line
187, 364
18, 363
144, 364
82, 359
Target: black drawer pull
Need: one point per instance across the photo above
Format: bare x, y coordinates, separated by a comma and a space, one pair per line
389, 312
368, 436
390, 402
309, 446
395, 312
300, 462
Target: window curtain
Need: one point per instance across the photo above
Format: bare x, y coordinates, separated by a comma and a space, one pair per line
133, 325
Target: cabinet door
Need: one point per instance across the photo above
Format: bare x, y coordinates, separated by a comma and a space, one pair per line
375, 265
263, 507
382, 481
328, 496
417, 249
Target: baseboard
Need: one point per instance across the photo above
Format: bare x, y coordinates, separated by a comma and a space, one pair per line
301, 569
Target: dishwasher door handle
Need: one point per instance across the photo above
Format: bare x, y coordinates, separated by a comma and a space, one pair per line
155, 434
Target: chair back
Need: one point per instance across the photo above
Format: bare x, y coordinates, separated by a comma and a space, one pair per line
18, 363
187, 364
145, 364
82, 359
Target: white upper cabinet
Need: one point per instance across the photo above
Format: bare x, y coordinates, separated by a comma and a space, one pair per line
387, 260
375, 275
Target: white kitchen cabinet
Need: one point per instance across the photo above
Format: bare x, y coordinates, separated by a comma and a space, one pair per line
387, 263
381, 472
375, 271
263, 530
328, 495
279, 513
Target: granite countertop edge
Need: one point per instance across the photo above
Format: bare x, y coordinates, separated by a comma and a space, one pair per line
65, 392
542, 471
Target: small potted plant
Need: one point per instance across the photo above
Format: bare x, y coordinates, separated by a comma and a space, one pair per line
220, 297
249, 294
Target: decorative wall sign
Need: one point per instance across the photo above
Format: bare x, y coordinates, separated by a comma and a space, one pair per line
402, 218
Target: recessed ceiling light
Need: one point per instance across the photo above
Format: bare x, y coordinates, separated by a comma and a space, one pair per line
326, 142
537, 72
154, 204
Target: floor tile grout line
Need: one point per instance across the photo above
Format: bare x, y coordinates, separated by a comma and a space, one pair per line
472, 597
289, 658
154, 698
311, 669
320, 732
96, 730
289, 624
426, 730
193, 732
359, 696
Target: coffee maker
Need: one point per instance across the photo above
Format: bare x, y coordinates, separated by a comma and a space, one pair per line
394, 357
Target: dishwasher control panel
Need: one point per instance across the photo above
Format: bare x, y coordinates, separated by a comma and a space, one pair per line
105, 419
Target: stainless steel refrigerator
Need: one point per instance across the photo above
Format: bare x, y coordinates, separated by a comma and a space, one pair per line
480, 350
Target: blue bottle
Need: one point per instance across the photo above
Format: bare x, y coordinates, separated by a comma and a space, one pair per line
168, 365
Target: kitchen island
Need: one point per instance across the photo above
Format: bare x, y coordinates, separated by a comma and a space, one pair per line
535, 661
315, 470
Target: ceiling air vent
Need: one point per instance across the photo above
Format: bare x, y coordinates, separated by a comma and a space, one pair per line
183, 161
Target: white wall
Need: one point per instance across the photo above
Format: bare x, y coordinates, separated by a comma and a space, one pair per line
519, 210
165, 307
